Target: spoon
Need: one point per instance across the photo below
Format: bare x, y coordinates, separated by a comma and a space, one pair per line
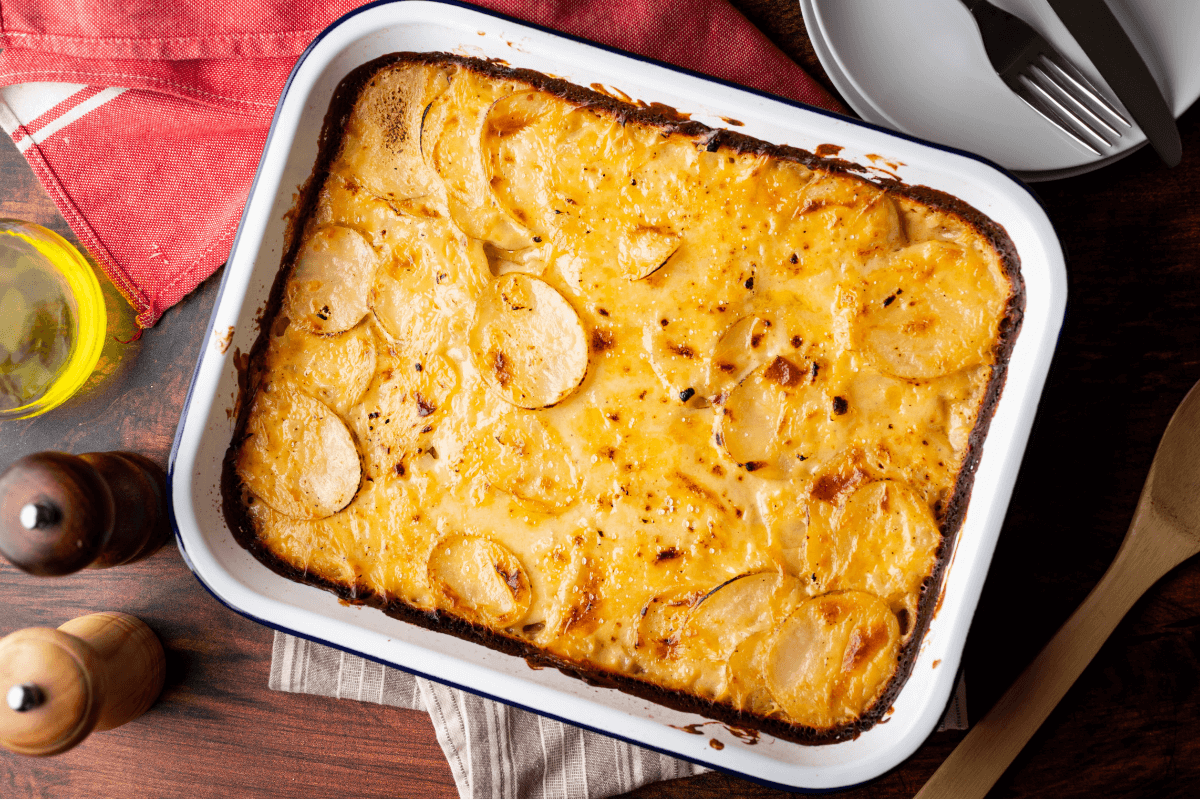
1165, 531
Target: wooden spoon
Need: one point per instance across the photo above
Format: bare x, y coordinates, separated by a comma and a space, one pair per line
1165, 531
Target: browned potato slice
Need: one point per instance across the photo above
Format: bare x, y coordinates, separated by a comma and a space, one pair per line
327, 291
404, 300
658, 627
489, 224
517, 142
831, 657
298, 456
449, 129
663, 188
400, 410
642, 251
577, 603
879, 517
741, 349
382, 145
747, 685
843, 218
679, 353
523, 457
479, 580
449, 134
569, 582
735, 609
932, 309
335, 369
759, 411
594, 155
421, 298
528, 342
589, 205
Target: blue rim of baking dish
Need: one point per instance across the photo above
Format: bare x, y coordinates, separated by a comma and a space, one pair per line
176, 443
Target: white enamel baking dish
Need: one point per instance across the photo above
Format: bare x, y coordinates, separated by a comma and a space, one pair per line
248, 587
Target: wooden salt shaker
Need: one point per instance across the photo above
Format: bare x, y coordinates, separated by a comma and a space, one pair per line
93, 673
60, 513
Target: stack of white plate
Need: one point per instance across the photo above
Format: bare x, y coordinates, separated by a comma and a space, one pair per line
919, 67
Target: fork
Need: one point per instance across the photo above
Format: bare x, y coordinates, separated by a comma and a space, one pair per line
1046, 81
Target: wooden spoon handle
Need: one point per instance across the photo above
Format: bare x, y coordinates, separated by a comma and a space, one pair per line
1150, 550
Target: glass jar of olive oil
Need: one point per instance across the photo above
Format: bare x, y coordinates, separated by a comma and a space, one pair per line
52, 320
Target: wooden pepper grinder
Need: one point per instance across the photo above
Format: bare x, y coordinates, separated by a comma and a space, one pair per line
60, 513
93, 673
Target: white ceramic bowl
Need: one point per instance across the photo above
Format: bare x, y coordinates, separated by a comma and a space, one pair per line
245, 585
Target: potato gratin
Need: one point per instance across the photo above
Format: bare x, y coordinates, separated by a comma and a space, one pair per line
663, 406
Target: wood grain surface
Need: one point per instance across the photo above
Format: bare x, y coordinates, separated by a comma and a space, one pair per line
1129, 350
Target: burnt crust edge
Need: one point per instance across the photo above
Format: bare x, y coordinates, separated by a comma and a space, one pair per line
669, 122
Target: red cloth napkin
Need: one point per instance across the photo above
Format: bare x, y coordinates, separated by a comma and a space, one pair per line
150, 147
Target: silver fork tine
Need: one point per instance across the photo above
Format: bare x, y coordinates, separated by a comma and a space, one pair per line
1068, 71
1072, 105
1056, 82
1047, 82
1043, 103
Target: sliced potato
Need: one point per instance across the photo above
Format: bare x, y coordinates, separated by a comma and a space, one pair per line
404, 300
516, 142
344, 201
570, 592
327, 291
677, 353
729, 614
422, 297
528, 343
880, 518
449, 126
643, 251
577, 604
523, 457
335, 369
594, 157
489, 224
829, 660
382, 145
449, 137
753, 416
450, 129
934, 308
500, 261
741, 349
844, 218
747, 686
659, 625
663, 188
298, 456
480, 580
587, 202
399, 411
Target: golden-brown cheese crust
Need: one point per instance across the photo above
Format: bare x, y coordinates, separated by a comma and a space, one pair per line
668, 408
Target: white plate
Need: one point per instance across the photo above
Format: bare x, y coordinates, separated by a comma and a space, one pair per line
919, 67
242, 583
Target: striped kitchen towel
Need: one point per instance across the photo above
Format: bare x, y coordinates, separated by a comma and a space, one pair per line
145, 120
495, 750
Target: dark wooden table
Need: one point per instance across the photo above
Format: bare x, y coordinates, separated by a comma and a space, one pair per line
1129, 351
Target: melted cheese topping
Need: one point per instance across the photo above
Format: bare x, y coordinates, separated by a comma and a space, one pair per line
685, 415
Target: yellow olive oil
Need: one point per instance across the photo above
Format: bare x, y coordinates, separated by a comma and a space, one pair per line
52, 320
